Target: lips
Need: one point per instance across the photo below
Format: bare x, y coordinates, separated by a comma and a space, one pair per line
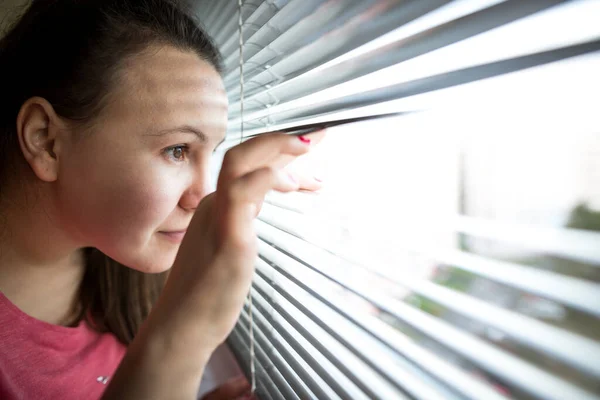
173, 236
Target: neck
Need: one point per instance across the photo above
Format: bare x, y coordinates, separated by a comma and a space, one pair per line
40, 268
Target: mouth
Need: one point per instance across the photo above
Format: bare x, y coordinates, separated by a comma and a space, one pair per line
173, 236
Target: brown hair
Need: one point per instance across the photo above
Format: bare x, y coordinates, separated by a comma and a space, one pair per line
82, 44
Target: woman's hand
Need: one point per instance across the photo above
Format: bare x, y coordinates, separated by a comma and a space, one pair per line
213, 270
234, 389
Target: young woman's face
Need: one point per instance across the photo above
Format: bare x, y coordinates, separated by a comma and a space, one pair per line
129, 187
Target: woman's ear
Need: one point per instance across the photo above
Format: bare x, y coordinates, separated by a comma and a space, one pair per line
38, 130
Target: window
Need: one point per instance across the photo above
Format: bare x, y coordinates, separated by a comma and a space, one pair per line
455, 250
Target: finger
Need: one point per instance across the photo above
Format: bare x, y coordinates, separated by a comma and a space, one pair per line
230, 390
239, 203
253, 187
309, 183
275, 150
314, 138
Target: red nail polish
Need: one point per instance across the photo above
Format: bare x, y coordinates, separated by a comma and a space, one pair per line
304, 139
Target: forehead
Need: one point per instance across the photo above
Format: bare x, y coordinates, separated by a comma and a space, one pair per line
164, 87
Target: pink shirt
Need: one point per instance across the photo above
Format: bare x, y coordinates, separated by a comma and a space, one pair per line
44, 361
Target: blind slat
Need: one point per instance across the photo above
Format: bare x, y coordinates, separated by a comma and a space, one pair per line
265, 386
574, 292
326, 52
223, 12
259, 17
348, 358
229, 31
288, 55
288, 21
388, 336
359, 97
275, 339
277, 370
318, 357
360, 345
575, 244
335, 73
576, 350
526, 376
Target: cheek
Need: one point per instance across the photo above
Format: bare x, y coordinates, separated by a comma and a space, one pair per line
117, 204
132, 209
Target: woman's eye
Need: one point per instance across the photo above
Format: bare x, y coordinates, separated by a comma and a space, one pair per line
176, 153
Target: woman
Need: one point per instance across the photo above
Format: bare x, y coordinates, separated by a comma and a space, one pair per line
109, 113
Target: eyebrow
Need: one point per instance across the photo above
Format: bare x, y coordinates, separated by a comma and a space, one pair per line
184, 129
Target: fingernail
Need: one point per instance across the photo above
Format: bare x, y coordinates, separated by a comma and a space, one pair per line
304, 139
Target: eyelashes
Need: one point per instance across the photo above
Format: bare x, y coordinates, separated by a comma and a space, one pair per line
178, 153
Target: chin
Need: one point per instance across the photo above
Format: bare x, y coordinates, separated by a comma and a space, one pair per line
151, 255
149, 261
154, 269
156, 264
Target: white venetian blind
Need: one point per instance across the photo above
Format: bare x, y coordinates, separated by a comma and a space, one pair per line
455, 251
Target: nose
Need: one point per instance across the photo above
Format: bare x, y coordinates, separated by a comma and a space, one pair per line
196, 191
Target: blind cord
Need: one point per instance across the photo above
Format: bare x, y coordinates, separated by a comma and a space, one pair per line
241, 67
